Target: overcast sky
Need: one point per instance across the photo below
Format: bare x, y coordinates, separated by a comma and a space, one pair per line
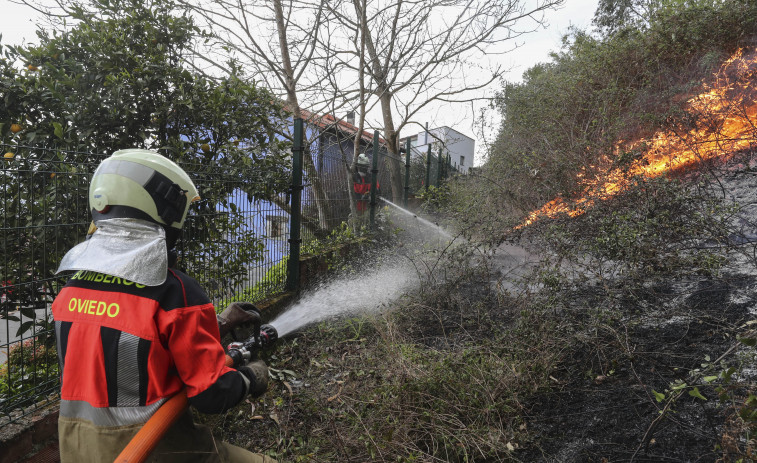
18, 25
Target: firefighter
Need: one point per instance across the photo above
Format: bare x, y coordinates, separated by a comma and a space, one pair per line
131, 331
362, 184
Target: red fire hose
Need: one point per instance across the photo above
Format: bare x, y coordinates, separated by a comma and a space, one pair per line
145, 441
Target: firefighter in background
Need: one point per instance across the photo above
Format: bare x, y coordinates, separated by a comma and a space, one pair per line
362, 185
131, 331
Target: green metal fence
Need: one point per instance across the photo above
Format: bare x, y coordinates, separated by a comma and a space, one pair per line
428, 166
235, 244
43, 210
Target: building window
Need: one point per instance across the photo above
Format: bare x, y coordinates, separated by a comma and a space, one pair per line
276, 226
462, 160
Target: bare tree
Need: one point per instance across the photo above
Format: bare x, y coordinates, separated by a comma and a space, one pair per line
277, 43
415, 53
342, 85
420, 53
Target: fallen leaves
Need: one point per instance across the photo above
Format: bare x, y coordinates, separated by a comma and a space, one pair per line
338, 393
252, 415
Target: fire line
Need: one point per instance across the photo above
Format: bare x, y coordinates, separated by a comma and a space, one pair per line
726, 115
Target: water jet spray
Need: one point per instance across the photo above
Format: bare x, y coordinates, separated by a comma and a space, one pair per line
363, 292
421, 220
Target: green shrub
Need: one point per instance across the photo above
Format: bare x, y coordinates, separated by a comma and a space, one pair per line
30, 364
654, 228
273, 282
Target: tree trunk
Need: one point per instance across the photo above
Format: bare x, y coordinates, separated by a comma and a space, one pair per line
390, 135
311, 173
319, 193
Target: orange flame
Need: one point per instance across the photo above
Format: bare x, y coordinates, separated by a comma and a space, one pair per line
726, 115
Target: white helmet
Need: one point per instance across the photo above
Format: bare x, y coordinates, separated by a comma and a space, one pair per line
362, 160
142, 184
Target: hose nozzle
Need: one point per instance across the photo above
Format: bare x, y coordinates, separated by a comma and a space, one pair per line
242, 352
268, 335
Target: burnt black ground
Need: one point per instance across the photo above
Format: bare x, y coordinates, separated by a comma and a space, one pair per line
604, 408
658, 332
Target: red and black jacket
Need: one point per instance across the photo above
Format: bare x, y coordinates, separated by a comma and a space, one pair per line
121, 344
362, 184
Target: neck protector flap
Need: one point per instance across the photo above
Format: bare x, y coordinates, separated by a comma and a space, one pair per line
133, 249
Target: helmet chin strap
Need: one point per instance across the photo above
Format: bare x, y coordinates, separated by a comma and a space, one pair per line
170, 199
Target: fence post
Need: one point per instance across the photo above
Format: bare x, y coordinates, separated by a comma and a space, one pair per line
407, 170
428, 166
293, 265
374, 177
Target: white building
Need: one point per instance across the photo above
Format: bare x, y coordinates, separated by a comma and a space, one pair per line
460, 147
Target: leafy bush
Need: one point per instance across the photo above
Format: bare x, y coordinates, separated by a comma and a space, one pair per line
342, 234
273, 282
31, 364
657, 227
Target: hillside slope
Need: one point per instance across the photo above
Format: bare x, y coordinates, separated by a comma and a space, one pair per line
593, 355
655, 370
625, 175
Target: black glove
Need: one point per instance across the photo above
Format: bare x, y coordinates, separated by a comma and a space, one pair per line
257, 374
236, 314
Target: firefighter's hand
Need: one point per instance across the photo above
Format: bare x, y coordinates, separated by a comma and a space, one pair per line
236, 314
257, 374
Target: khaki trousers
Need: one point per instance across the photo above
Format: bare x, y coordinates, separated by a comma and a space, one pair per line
81, 442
